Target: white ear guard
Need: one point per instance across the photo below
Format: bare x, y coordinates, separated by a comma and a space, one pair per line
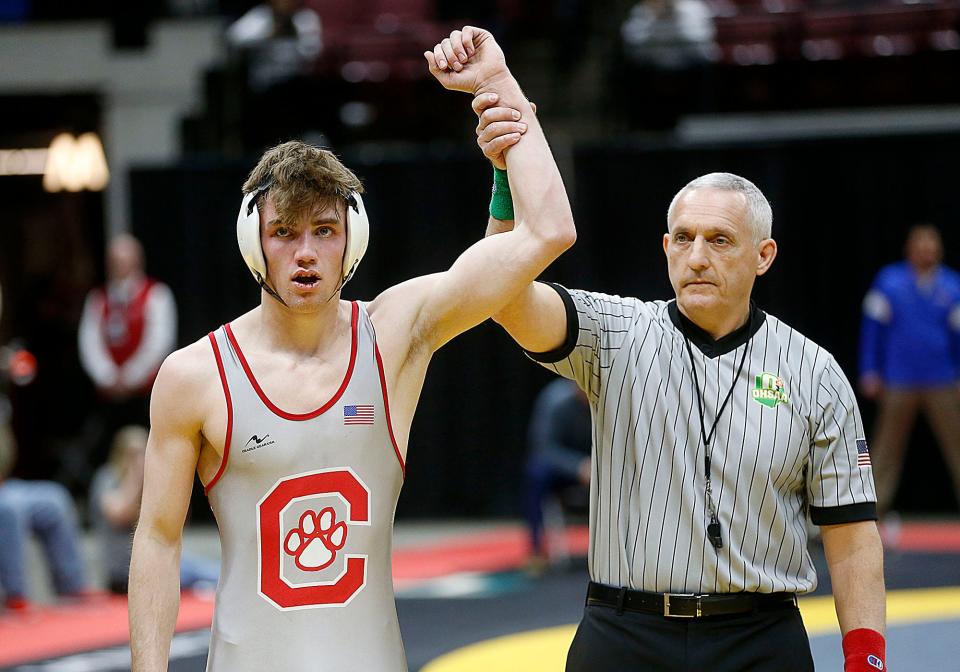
358, 235
248, 237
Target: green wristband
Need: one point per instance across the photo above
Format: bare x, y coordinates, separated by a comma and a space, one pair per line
501, 202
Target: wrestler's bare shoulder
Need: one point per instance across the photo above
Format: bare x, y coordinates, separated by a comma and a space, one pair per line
188, 378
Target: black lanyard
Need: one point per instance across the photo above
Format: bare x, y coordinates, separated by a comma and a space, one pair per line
713, 528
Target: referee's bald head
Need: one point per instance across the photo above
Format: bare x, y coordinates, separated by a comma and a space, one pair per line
758, 211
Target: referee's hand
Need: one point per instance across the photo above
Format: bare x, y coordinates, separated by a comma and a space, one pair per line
871, 385
583, 473
499, 128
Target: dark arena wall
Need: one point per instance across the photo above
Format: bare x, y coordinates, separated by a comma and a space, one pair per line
841, 210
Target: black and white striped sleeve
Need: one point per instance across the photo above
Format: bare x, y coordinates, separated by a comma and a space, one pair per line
597, 325
840, 478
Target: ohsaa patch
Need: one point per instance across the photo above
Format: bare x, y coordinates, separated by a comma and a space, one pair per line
770, 390
873, 661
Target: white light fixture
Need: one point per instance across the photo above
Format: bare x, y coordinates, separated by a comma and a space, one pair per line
74, 164
22, 161
69, 164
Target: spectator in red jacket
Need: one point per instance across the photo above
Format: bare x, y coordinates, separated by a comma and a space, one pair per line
128, 326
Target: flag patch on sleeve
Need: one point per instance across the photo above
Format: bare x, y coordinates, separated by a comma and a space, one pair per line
863, 453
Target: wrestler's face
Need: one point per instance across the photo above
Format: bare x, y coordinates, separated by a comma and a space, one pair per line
305, 255
712, 257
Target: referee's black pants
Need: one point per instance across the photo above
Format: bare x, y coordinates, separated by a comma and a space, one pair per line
769, 640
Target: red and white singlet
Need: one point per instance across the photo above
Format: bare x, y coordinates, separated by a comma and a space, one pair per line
305, 506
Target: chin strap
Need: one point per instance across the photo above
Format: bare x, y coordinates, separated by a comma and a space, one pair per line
343, 281
344, 277
270, 290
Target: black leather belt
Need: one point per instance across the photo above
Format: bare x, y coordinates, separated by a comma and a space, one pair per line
684, 605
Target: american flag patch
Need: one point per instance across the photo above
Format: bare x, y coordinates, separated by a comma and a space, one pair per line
358, 414
863, 455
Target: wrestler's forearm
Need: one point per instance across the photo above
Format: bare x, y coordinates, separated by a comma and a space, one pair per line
154, 600
495, 226
539, 197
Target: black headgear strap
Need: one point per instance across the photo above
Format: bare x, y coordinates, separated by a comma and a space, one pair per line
257, 194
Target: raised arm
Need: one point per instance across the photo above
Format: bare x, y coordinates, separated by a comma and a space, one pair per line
535, 317
494, 270
173, 450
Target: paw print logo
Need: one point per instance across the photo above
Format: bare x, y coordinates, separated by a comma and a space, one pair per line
315, 541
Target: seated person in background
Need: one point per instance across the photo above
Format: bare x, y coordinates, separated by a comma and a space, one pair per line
114, 507
559, 437
669, 34
280, 39
663, 72
44, 509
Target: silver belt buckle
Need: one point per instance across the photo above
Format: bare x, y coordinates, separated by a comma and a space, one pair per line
666, 605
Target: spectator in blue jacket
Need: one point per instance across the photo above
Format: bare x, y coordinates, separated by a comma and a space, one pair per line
910, 357
560, 438
40, 509
44, 510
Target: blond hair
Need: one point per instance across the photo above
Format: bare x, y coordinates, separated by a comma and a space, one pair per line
301, 177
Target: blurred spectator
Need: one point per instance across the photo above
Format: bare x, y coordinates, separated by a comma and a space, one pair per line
664, 70
45, 510
41, 508
6, 433
127, 328
560, 437
910, 357
669, 34
115, 505
279, 40
20, 367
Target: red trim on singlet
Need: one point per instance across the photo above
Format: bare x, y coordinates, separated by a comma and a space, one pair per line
301, 416
226, 393
386, 409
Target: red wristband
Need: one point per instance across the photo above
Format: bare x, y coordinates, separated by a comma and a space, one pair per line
864, 650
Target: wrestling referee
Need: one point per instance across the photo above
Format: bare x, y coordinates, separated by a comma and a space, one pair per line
716, 429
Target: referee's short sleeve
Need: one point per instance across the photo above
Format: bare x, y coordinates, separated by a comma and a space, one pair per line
840, 482
597, 324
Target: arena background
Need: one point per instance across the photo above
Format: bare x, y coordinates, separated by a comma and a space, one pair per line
851, 150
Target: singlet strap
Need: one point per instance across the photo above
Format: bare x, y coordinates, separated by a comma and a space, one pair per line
371, 330
229, 435
276, 410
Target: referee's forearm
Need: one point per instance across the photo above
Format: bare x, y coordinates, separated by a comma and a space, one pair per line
855, 557
495, 226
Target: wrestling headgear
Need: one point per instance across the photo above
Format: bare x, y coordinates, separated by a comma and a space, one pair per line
248, 238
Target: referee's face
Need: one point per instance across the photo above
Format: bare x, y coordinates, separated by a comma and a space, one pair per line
713, 260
